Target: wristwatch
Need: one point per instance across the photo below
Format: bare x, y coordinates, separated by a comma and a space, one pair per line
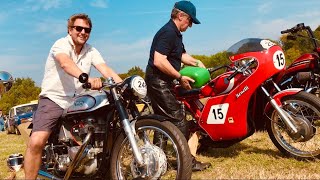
179, 78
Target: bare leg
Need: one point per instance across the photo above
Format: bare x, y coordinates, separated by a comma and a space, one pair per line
33, 155
193, 143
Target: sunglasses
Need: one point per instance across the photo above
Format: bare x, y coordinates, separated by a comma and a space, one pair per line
80, 28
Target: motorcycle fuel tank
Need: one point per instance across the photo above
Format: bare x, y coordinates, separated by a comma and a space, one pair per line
87, 102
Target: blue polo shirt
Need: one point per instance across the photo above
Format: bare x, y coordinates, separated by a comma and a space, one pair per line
168, 41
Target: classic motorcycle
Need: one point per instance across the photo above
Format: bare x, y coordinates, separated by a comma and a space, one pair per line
304, 72
102, 135
227, 108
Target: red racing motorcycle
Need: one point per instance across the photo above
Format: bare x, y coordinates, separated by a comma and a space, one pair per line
304, 72
227, 108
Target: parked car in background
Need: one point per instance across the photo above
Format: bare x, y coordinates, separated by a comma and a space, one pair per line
20, 114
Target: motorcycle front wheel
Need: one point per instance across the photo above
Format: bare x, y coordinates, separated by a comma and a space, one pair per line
163, 147
304, 108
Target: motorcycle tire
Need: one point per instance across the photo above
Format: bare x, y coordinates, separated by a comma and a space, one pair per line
181, 169
305, 109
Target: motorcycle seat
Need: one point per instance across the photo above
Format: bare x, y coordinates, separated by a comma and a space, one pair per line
181, 92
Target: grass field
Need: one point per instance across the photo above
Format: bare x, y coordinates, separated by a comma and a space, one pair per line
254, 158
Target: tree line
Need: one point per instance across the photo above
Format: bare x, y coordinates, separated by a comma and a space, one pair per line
24, 90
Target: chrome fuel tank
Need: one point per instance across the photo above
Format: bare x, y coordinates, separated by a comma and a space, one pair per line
87, 102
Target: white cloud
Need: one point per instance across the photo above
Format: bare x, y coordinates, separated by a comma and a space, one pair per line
99, 3
51, 26
23, 67
264, 8
36, 5
271, 29
123, 56
309, 18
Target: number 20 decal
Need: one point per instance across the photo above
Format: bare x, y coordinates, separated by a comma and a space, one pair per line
217, 114
279, 60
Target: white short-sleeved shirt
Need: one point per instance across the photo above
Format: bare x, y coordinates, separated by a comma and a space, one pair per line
59, 86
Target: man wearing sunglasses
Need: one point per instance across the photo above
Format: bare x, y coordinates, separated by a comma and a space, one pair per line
68, 58
166, 55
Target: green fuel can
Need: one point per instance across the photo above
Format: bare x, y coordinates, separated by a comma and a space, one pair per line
200, 75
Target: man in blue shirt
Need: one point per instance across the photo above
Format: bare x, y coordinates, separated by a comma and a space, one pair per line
166, 55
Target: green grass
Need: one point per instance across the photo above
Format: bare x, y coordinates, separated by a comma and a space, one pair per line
254, 158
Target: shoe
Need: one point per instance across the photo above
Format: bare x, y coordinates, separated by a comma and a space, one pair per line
199, 166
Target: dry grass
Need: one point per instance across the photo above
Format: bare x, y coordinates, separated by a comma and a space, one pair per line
254, 158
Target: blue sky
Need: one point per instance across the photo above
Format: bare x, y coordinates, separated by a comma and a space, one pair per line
123, 29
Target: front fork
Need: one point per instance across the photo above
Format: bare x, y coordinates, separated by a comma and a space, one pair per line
287, 119
128, 129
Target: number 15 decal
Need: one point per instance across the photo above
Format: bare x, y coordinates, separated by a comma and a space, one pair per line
279, 60
217, 114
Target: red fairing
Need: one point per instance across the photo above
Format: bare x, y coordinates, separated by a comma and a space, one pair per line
225, 116
220, 84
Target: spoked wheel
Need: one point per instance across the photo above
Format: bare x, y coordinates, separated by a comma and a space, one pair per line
304, 108
163, 148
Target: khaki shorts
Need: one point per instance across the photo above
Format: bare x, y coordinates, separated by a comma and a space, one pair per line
46, 116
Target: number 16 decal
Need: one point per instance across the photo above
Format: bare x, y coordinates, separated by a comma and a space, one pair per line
217, 114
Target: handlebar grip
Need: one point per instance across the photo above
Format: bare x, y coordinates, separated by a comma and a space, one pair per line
295, 29
86, 85
285, 31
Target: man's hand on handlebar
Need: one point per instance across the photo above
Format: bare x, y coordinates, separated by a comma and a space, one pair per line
95, 83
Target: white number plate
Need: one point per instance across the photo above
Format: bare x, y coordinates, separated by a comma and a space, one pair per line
218, 113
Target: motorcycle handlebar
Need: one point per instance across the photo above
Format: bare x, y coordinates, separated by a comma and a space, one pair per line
213, 69
232, 75
295, 29
108, 83
86, 85
285, 31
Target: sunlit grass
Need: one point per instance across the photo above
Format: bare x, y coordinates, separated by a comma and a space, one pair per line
254, 158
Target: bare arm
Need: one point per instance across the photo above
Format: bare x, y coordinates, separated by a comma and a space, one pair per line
67, 64
189, 60
162, 63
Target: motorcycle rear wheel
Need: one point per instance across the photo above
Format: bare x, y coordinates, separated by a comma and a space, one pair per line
306, 108
179, 163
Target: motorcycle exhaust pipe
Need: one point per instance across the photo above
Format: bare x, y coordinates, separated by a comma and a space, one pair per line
79, 153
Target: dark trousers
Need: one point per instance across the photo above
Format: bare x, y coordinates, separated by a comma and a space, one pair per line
164, 101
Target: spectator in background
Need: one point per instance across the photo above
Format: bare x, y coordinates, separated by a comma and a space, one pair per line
1, 121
